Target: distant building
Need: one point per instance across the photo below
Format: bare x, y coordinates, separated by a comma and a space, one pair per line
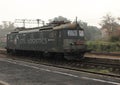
106, 34
116, 32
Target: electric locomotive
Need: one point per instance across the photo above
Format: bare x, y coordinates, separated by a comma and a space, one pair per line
65, 39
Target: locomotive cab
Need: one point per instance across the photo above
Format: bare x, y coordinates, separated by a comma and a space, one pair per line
74, 43
71, 41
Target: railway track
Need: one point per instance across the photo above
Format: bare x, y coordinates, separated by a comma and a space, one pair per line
102, 62
84, 65
90, 65
106, 53
80, 67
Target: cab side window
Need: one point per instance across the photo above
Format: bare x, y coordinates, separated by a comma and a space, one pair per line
51, 34
72, 32
60, 34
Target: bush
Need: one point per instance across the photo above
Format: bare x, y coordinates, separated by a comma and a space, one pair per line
100, 46
114, 38
2, 45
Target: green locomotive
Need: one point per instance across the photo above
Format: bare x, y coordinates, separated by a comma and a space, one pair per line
65, 39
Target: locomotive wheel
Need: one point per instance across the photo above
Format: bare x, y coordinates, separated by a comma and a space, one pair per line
8, 51
74, 57
59, 56
48, 55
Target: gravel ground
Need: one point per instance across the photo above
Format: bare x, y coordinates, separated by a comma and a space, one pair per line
102, 56
17, 72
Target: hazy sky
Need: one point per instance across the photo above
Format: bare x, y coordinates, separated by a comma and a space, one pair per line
90, 11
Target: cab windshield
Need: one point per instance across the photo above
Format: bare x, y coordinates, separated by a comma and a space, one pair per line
75, 33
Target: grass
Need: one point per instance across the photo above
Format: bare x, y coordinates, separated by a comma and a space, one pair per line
100, 70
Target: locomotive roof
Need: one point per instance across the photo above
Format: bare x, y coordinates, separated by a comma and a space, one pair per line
63, 26
66, 26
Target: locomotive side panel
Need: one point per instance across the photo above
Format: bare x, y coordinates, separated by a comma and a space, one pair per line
45, 40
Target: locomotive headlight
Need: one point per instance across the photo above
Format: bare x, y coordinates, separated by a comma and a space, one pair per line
71, 44
79, 42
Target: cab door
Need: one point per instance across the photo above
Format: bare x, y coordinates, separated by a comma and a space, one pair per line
51, 41
60, 40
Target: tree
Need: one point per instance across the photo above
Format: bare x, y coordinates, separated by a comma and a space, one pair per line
5, 24
59, 18
8, 25
1, 26
110, 24
11, 25
91, 32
